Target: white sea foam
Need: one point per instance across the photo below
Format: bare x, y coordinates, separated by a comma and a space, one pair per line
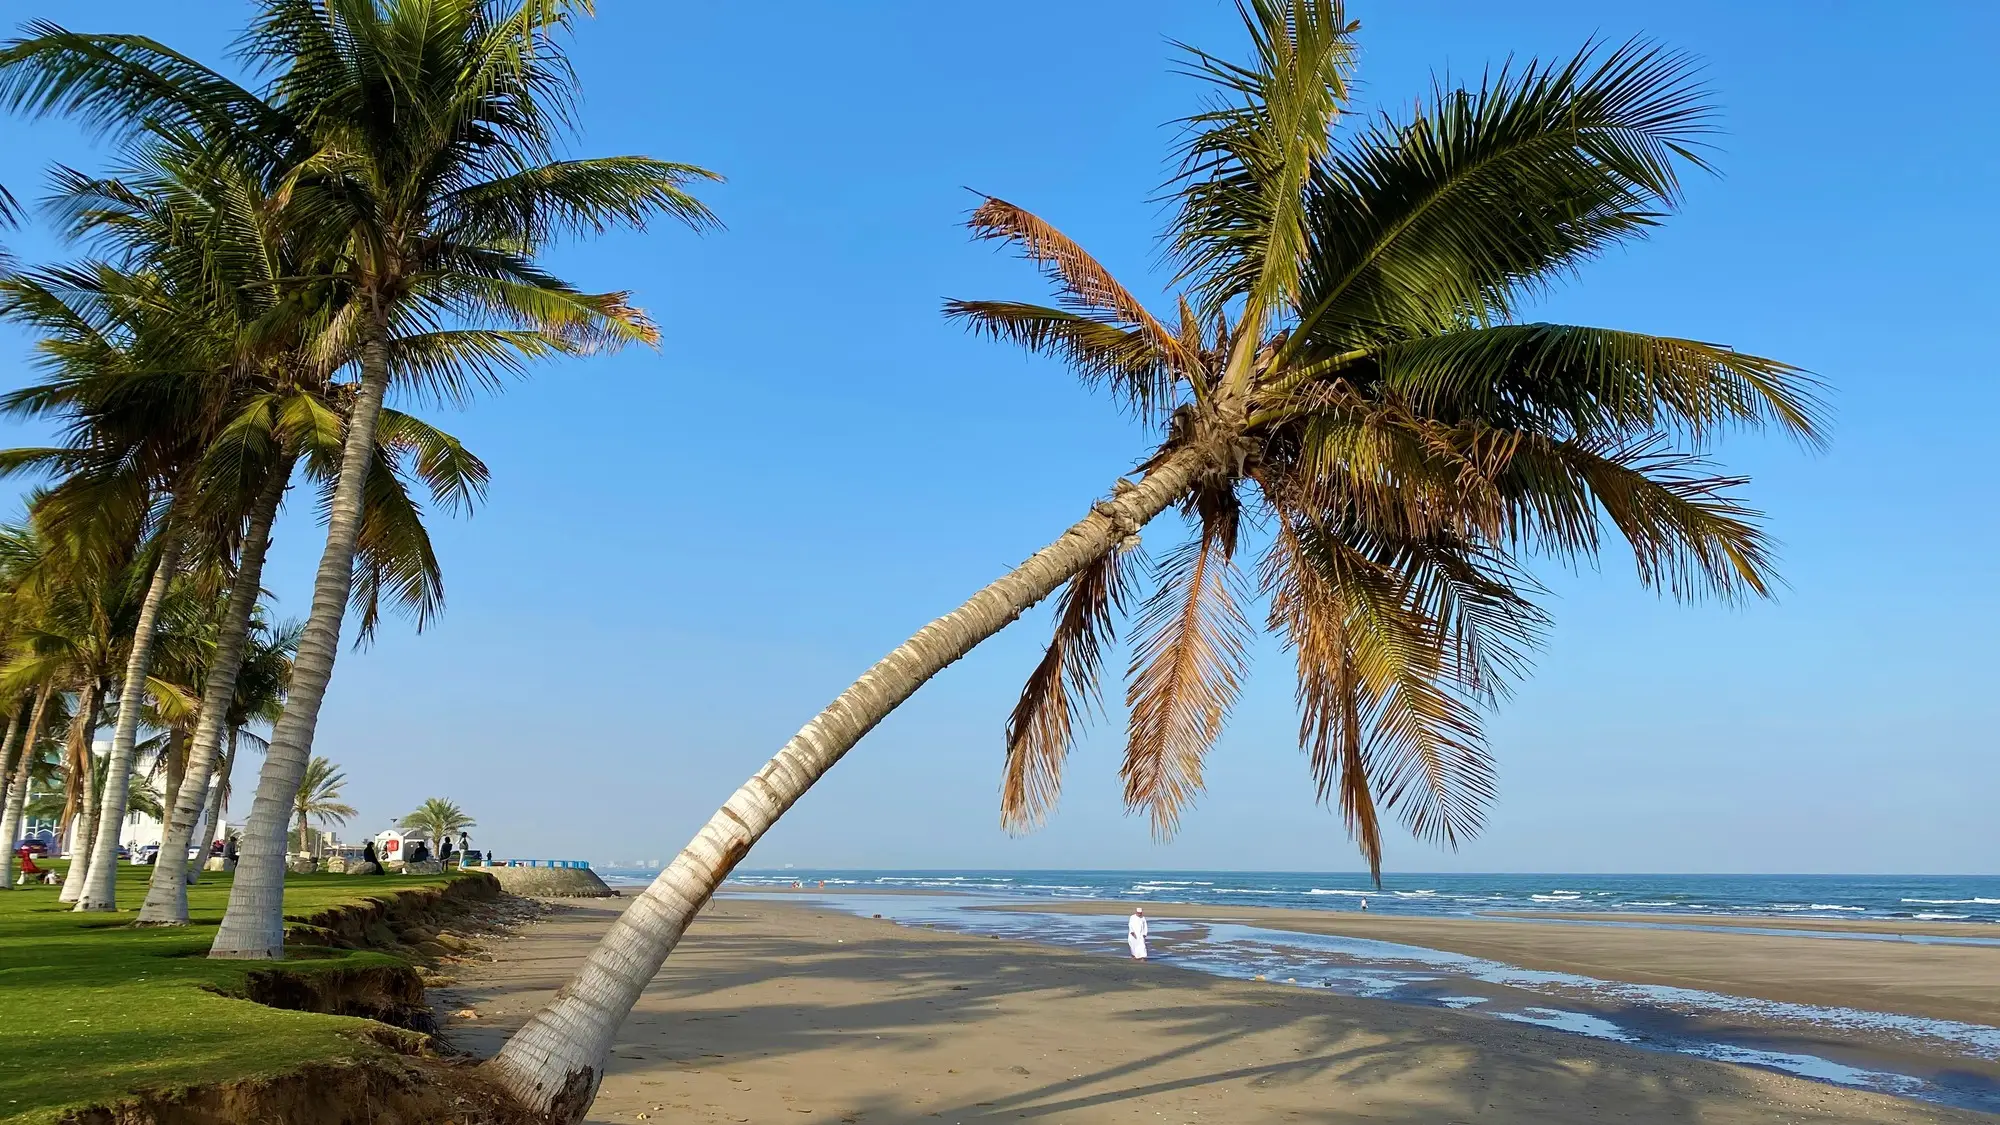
1955, 901
1350, 894
1831, 906
1941, 917
1557, 896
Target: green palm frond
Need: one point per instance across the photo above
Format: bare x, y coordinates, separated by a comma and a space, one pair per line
1597, 382
1491, 193
566, 196
1241, 233
116, 84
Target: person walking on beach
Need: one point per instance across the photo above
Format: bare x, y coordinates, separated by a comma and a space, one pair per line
1135, 933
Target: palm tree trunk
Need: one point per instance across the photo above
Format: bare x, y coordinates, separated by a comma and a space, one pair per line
12, 759
9, 752
83, 725
166, 895
555, 1062
101, 891
253, 928
176, 763
17, 790
216, 802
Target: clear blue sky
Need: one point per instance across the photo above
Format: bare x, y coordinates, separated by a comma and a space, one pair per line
687, 553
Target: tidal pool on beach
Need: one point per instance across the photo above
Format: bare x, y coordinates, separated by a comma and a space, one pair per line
1937, 1060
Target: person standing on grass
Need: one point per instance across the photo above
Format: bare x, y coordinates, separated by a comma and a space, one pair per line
1135, 933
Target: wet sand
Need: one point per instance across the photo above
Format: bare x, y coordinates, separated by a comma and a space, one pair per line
775, 1012
1954, 982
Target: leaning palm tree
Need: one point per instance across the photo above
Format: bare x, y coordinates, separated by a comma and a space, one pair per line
437, 819
319, 800
1345, 368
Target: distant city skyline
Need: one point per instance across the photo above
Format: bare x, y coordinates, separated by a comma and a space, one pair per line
686, 553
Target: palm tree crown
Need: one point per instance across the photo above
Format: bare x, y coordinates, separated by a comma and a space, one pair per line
319, 798
437, 818
1347, 367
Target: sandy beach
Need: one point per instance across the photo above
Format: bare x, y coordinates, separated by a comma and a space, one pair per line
772, 1011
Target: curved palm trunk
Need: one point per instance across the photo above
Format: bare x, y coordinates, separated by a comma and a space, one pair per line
83, 726
100, 890
17, 789
166, 894
13, 758
214, 820
555, 1062
253, 928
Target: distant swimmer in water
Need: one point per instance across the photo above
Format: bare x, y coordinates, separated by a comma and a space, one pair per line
1364, 904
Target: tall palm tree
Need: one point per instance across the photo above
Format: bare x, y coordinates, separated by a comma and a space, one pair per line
13, 814
260, 698
437, 819
417, 134
1345, 368
319, 799
89, 578
427, 130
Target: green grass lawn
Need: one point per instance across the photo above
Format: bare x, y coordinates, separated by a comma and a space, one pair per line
92, 1007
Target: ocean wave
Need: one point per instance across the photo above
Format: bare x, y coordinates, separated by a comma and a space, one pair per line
1955, 901
1941, 917
1414, 894
1557, 896
1323, 891
1649, 904
1248, 891
1832, 906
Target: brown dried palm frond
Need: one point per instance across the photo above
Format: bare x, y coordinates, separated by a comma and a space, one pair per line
1064, 683
1083, 281
1189, 657
1398, 644
1126, 358
1308, 615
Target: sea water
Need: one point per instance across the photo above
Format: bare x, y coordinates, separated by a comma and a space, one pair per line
1928, 898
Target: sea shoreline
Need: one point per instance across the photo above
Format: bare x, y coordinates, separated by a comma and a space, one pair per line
776, 1006
1951, 982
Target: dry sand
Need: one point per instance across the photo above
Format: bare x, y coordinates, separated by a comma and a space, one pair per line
771, 1012
1954, 982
